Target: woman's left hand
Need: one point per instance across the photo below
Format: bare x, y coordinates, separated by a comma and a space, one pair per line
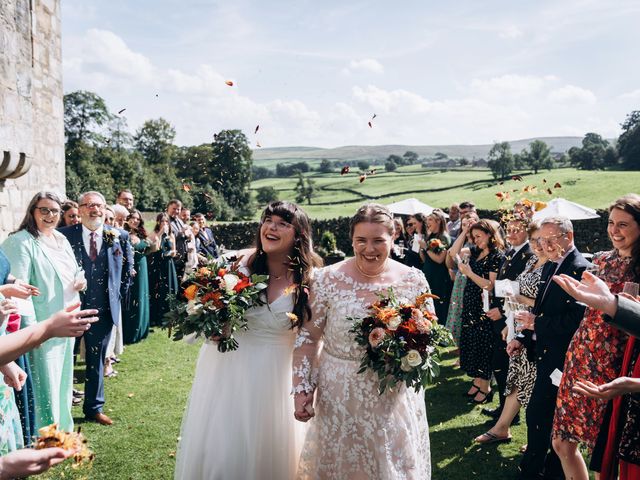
617, 387
14, 376
464, 268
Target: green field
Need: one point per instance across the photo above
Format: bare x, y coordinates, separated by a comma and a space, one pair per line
341, 195
148, 398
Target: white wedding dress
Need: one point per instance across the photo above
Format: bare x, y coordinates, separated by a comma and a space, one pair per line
239, 421
356, 433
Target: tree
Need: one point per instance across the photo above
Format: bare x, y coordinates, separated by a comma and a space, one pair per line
364, 164
266, 195
440, 156
463, 162
154, 140
538, 156
410, 157
390, 166
258, 173
592, 154
629, 141
325, 166
305, 190
84, 114
500, 160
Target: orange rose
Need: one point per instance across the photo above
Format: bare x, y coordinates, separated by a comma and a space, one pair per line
242, 284
222, 272
213, 297
204, 271
190, 292
385, 314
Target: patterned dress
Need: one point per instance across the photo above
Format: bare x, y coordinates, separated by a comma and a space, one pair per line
454, 317
476, 336
595, 354
522, 372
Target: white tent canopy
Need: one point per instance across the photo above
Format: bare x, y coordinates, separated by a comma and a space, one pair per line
410, 206
565, 208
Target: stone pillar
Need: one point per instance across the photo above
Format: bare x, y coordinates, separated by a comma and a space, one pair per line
31, 108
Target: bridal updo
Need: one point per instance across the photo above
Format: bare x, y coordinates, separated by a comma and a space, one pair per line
372, 213
302, 260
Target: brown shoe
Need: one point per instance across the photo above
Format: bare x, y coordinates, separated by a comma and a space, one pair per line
101, 418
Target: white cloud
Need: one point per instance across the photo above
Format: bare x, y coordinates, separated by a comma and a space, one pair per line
511, 85
633, 95
570, 94
367, 65
511, 32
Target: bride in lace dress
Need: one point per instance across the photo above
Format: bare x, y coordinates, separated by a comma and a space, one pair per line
238, 421
356, 433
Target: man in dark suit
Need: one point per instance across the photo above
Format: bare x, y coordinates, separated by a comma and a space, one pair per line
180, 231
208, 245
513, 265
98, 249
546, 333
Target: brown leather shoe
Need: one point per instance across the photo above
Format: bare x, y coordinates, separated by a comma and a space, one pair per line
101, 418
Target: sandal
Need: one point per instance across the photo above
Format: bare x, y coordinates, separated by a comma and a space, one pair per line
487, 397
489, 437
474, 392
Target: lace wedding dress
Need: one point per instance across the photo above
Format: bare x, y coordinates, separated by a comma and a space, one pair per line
356, 433
239, 421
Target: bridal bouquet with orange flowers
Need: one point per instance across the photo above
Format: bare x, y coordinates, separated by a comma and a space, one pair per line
401, 341
212, 301
436, 245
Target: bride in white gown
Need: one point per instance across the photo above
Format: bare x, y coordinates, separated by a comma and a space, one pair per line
238, 422
356, 433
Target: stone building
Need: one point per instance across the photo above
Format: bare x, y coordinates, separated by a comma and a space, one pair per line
31, 108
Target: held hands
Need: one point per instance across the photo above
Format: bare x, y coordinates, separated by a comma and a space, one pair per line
70, 322
303, 406
525, 321
28, 461
514, 347
14, 376
617, 387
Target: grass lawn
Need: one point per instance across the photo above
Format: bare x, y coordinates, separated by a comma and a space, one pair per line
341, 195
148, 398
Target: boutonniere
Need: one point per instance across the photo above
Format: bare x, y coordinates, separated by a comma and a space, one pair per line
110, 236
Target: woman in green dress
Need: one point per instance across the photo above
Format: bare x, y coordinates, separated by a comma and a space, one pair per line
136, 314
43, 257
163, 279
433, 253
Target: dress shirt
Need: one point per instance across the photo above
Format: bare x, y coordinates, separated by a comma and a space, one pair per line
86, 239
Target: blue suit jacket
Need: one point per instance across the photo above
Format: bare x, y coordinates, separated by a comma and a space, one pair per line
115, 255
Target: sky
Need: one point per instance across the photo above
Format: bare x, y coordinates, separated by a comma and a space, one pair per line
315, 73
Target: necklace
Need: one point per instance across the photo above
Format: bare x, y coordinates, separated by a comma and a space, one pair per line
375, 275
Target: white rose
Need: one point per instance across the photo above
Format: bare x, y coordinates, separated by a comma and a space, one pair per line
193, 308
230, 281
394, 322
410, 360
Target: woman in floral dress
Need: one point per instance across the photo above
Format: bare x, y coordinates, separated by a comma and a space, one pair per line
596, 350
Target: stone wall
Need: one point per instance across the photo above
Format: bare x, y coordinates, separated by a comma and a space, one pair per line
31, 109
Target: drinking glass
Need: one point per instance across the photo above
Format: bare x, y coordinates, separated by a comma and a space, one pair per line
630, 288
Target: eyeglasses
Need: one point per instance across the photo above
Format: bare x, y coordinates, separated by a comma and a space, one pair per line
93, 205
411, 224
53, 212
281, 225
549, 240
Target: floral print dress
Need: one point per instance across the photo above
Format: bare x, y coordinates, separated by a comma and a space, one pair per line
595, 354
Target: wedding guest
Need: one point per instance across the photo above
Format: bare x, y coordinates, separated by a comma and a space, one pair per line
43, 256
220, 401
120, 215
622, 448
353, 421
453, 225
208, 245
547, 331
433, 253
125, 198
466, 207
476, 336
596, 350
416, 231
462, 248
136, 313
399, 240
185, 215
70, 214
163, 278
97, 248
180, 232
521, 373
514, 263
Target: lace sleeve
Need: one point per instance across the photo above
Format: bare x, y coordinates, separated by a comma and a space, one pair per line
417, 284
308, 338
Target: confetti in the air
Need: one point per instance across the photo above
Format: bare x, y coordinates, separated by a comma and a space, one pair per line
344, 170
229, 82
370, 125
517, 178
120, 112
257, 128
186, 187
363, 177
557, 185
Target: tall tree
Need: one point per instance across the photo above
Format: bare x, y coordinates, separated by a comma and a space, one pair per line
500, 160
592, 155
85, 113
629, 141
410, 157
538, 156
154, 140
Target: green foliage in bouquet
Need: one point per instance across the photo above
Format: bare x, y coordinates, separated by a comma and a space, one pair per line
401, 342
212, 302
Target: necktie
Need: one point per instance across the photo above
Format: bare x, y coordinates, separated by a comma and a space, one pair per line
93, 251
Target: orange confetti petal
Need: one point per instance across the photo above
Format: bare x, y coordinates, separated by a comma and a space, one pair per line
229, 82
186, 187
557, 185
344, 170
370, 125
363, 177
